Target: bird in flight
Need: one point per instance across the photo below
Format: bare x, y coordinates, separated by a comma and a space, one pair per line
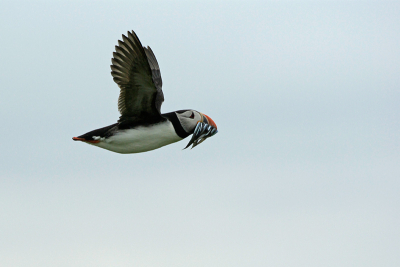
141, 126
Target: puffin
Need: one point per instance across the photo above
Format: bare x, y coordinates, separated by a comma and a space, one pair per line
142, 127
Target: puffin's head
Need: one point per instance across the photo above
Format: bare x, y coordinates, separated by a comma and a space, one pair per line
198, 124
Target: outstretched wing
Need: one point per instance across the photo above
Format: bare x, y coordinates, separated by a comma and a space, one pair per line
136, 71
156, 76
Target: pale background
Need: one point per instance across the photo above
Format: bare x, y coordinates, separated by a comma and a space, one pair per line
303, 172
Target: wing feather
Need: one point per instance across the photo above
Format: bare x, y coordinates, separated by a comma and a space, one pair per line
135, 69
156, 74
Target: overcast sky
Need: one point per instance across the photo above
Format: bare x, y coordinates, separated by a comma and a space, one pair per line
303, 172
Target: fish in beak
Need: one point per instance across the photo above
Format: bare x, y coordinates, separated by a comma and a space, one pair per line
204, 129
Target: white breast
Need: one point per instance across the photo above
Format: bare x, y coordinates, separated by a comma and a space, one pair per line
141, 139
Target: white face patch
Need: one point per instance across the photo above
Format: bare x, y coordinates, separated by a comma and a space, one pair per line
189, 120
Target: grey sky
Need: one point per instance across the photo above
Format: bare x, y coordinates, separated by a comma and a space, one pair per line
303, 172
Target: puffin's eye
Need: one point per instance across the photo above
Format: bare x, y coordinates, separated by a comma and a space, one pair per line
192, 116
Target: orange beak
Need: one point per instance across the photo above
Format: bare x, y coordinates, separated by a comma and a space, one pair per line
210, 121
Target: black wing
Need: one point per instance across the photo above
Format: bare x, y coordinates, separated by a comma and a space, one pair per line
136, 71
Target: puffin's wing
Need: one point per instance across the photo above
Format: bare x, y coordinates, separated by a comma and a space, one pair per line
156, 75
139, 78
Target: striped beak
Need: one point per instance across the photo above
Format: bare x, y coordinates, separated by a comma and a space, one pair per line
204, 129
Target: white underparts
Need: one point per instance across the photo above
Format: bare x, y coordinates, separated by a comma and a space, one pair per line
98, 138
139, 139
